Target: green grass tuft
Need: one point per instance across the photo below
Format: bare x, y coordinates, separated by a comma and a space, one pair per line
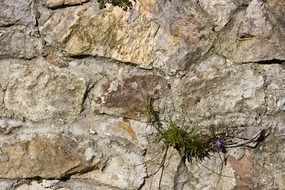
194, 142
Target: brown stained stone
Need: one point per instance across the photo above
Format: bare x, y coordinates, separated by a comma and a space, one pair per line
131, 97
44, 156
56, 60
126, 127
243, 170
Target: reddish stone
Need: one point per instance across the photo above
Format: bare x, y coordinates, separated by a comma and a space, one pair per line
243, 170
131, 97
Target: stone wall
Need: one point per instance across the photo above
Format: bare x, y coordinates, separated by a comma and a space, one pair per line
75, 80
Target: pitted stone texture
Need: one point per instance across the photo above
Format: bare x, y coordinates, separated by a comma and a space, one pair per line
58, 3
256, 21
46, 156
184, 19
118, 89
278, 9
252, 37
221, 90
41, 92
217, 86
220, 11
4, 72
121, 172
19, 42
123, 142
269, 158
154, 160
274, 87
16, 12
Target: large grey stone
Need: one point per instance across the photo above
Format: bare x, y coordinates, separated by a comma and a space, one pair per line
254, 37
16, 12
124, 143
217, 86
42, 92
186, 21
218, 90
19, 42
220, 11
268, 169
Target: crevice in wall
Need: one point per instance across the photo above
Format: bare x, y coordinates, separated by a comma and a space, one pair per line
85, 104
66, 6
266, 62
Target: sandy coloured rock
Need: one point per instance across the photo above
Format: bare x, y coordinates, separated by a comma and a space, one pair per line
42, 92
52, 156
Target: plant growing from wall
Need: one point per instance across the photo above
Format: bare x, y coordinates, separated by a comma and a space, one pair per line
199, 142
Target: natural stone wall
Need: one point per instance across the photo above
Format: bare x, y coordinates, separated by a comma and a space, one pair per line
75, 82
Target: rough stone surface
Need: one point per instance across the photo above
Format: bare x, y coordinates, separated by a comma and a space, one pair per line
268, 163
42, 156
74, 31
206, 85
251, 38
76, 80
130, 97
19, 42
109, 34
220, 11
63, 102
16, 12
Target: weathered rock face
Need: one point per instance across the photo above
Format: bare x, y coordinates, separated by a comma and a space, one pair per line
16, 12
133, 94
104, 33
253, 37
25, 92
42, 156
19, 42
76, 81
114, 33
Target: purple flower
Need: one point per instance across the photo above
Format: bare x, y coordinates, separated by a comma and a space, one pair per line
219, 145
